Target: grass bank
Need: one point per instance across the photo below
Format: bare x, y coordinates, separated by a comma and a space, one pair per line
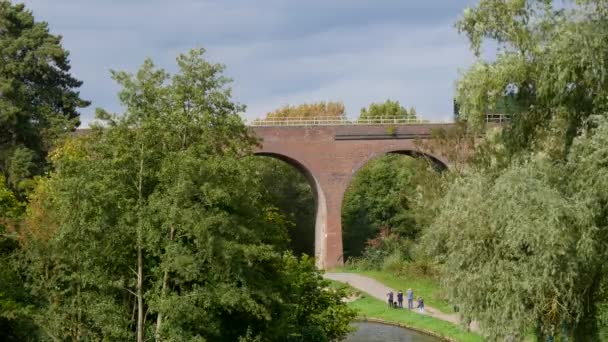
369, 307
426, 287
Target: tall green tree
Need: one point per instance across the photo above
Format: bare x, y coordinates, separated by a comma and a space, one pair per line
160, 230
387, 110
39, 100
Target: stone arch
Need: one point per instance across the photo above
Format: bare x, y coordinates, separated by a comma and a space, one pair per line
319, 202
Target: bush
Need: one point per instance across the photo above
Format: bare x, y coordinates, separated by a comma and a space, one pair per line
394, 263
388, 249
421, 262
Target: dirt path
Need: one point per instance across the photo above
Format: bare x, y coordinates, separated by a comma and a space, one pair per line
378, 290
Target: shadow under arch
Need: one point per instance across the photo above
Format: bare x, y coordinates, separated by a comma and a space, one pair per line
320, 203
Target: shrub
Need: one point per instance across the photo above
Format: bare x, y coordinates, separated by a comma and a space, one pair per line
387, 245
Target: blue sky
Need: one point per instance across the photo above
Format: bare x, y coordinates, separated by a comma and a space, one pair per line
278, 52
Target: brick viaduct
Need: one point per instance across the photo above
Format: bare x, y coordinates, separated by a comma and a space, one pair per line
329, 156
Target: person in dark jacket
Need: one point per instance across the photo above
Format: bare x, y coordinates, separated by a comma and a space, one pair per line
420, 305
390, 298
400, 298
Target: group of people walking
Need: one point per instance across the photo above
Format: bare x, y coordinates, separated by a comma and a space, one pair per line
410, 300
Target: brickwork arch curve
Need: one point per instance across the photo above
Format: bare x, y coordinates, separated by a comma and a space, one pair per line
318, 196
438, 163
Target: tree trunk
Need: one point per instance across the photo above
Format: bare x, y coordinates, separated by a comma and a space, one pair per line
140, 261
159, 318
140, 299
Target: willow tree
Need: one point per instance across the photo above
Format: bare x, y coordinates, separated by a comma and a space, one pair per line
519, 252
526, 247
551, 61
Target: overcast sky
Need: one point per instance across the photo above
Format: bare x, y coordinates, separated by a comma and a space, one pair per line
277, 52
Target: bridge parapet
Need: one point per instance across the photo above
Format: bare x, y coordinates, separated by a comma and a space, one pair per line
328, 121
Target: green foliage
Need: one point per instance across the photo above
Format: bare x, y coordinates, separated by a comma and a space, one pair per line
159, 228
532, 216
516, 249
20, 166
286, 188
385, 251
313, 311
39, 99
10, 207
551, 63
380, 196
387, 110
14, 299
333, 110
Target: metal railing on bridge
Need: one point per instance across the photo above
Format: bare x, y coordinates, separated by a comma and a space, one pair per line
326, 121
498, 118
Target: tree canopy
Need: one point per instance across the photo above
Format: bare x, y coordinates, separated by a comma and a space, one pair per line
332, 110
517, 249
520, 235
285, 188
380, 197
550, 60
387, 110
159, 228
39, 100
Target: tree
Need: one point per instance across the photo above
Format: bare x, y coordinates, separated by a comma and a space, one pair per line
548, 72
518, 251
550, 62
329, 110
15, 324
387, 110
588, 184
38, 97
380, 196
286, 188
160, 229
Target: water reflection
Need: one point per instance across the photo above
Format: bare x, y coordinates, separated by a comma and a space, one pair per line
376, 332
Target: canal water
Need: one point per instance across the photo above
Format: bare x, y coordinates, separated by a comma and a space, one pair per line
376, 332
